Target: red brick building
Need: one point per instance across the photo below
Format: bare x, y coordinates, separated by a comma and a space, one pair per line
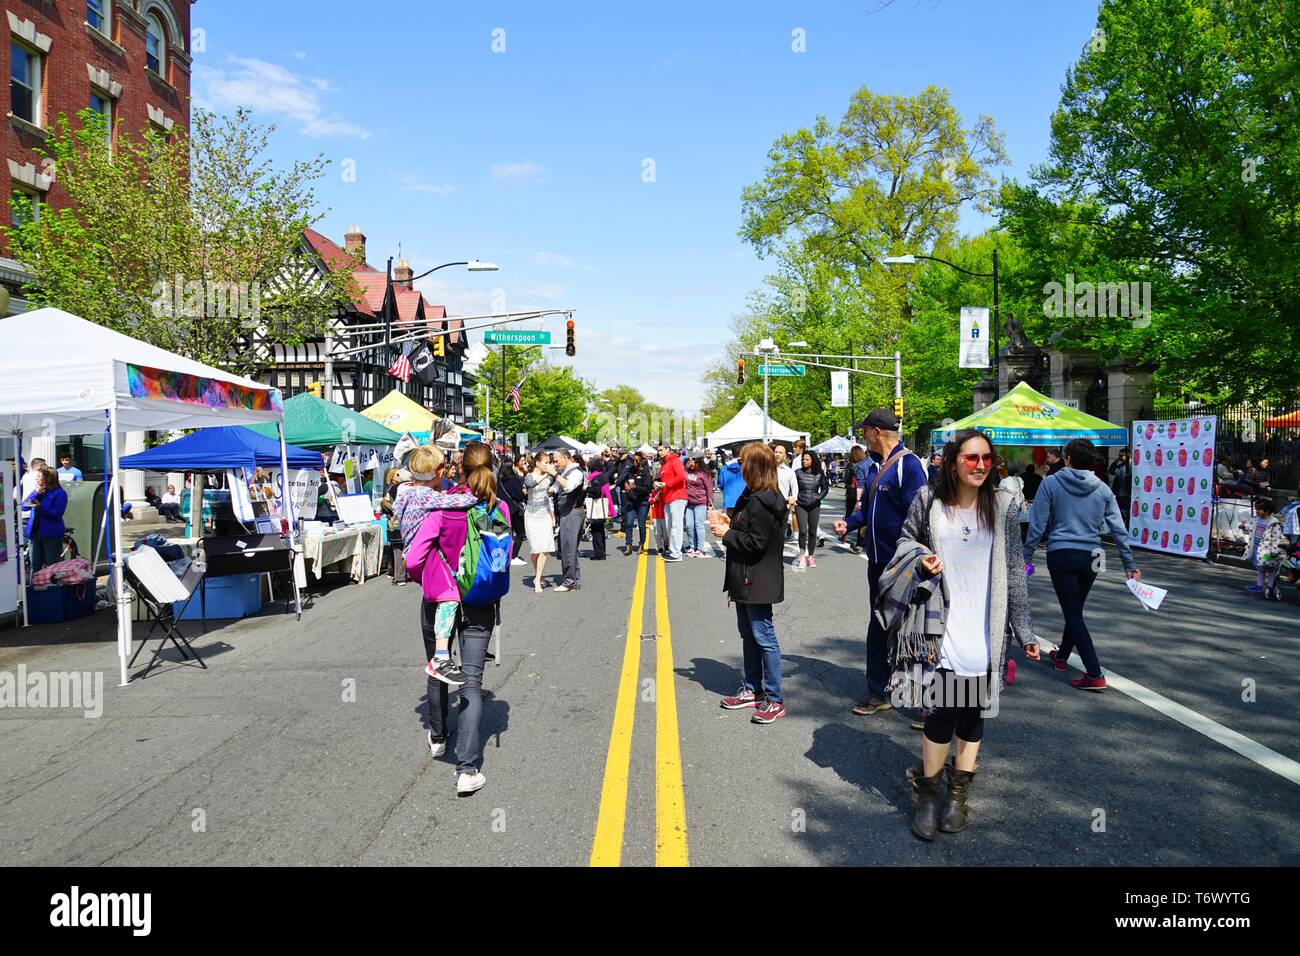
127, 59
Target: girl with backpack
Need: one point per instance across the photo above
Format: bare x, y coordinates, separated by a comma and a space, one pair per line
461, 556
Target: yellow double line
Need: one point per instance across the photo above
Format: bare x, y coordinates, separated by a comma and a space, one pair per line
670, 801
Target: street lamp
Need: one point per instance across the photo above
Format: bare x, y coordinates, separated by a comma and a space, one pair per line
909, 259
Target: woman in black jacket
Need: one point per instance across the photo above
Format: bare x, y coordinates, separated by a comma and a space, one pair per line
813, 486
755, 580
510, 486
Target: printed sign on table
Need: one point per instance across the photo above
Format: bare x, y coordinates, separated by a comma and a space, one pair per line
1173, 485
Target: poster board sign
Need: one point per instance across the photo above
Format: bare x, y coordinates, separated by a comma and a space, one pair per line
839, 389
10, 514
304, 491
974, 337
1173, 485
355, 509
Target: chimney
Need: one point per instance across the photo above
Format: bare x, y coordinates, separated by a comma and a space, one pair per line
402, 274
354, 240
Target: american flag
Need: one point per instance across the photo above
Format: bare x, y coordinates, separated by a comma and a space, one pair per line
514, 397
401, 367
584, 423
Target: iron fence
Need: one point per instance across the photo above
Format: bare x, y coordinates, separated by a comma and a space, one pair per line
1245, 435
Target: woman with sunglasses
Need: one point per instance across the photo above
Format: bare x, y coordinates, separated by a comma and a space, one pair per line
1070, 511
973, 533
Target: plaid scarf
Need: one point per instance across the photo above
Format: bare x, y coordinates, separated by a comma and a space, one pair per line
911, 610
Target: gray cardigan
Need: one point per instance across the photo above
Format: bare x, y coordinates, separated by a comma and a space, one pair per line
1009, 589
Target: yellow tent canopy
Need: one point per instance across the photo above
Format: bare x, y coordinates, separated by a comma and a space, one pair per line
400, 413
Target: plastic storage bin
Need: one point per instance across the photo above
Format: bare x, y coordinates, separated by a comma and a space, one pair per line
238, 595
60, 602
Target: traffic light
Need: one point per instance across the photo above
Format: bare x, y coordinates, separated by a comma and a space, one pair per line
898, 408
440, 347
317, 389
740, 371
570, 346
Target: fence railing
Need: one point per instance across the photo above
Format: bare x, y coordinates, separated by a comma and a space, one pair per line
1244, 434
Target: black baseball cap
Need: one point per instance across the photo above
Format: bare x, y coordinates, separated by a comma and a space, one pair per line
881, 418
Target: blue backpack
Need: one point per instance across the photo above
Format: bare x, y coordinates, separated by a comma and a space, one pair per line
483, 576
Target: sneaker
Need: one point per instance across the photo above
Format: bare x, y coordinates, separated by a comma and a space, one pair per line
565, 587
467, 783
1058, 663
855, 548
741, 699
447, 671
798, 564
767, 711
671, 559
1255, 589
518, 561
1085, 682
872, 706
811, 562
436, 747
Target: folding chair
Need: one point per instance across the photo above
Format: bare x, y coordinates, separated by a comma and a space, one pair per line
156, 585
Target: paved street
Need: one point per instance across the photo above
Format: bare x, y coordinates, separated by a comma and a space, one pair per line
284, 770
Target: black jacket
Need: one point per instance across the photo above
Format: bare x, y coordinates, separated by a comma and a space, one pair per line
755, 545
511, 487
642, 485
812, 487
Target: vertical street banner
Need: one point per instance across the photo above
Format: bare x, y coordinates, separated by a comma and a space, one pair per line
1173, 485
974, 337
839, 389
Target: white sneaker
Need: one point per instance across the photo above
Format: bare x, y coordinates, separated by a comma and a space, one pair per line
518, 561
436, 747
467, 783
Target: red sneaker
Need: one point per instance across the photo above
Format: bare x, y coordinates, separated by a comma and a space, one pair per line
1011, 671
1058, 663
768, 711
740, 700
1085, 682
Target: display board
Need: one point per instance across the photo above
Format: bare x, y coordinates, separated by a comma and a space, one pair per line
10, 514
1173, 485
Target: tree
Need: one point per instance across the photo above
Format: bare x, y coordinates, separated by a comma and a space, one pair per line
553, 401
193, 244
624, 418
1175, 160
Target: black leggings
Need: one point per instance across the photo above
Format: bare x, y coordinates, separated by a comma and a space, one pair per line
966, 720
808, 519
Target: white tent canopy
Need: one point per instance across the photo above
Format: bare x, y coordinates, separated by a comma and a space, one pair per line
62, 374
747, 426
835, 445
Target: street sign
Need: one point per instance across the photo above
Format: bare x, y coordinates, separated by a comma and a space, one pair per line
505, 337
782, 370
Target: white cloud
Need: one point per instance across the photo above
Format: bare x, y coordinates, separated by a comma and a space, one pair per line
272, 89
413, 185
553, 259
300, 54
548, 293
526, 171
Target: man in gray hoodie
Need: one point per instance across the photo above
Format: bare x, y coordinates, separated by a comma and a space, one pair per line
1070, 511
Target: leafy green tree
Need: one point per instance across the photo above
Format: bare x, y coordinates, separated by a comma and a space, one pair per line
553, 401
192, 243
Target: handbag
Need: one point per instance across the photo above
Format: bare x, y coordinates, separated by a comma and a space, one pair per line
597, 509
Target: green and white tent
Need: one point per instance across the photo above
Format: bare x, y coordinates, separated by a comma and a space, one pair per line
1026, 417
317, 424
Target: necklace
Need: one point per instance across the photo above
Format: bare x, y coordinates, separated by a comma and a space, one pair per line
966, 531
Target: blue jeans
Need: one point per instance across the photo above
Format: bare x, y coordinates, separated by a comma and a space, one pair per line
634, 515
762, 652
675, 514
697, 529
474, 631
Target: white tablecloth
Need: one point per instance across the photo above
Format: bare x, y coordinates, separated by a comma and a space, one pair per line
359, 547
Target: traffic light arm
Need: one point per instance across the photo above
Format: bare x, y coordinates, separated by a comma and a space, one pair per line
423, 334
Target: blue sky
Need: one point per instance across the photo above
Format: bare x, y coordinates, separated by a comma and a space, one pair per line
533, 157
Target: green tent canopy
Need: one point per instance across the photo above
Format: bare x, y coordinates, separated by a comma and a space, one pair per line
311, 422
1024, 416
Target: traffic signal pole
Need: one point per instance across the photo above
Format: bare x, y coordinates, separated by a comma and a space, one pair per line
814, 360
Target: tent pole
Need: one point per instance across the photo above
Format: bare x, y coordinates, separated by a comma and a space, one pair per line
18, 522
119, 556
290, 517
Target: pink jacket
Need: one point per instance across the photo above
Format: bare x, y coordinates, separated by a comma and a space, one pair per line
433, 555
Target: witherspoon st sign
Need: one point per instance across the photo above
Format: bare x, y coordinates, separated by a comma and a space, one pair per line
517, 338
782, 370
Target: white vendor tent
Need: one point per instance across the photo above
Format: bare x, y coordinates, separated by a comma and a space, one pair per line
62, 374
747, 426
835, 445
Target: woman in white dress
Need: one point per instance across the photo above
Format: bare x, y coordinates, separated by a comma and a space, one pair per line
539, 525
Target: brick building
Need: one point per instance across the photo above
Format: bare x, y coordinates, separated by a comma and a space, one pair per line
127, 59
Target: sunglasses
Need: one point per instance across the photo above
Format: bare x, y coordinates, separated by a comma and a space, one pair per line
973, 461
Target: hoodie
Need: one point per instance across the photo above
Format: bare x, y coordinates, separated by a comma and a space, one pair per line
433, 550
1071, 510
732, 483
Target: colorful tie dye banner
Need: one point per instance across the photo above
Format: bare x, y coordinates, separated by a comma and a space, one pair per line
168, 386
1173, 485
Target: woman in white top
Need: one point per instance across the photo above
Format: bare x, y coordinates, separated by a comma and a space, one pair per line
973, 530
539, 525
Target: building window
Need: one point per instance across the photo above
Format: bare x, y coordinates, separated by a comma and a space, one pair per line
25, 83
97, 13
103, 105
154, 43
20, 212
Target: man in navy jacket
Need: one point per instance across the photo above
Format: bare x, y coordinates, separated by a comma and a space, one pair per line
882, 507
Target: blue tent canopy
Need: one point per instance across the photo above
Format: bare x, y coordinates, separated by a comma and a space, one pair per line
216, 449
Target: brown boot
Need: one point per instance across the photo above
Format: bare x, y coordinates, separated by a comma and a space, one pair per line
925, 821
952, 818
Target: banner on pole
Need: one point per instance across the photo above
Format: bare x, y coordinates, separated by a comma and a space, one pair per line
839, 389
974, 337
1173, 485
